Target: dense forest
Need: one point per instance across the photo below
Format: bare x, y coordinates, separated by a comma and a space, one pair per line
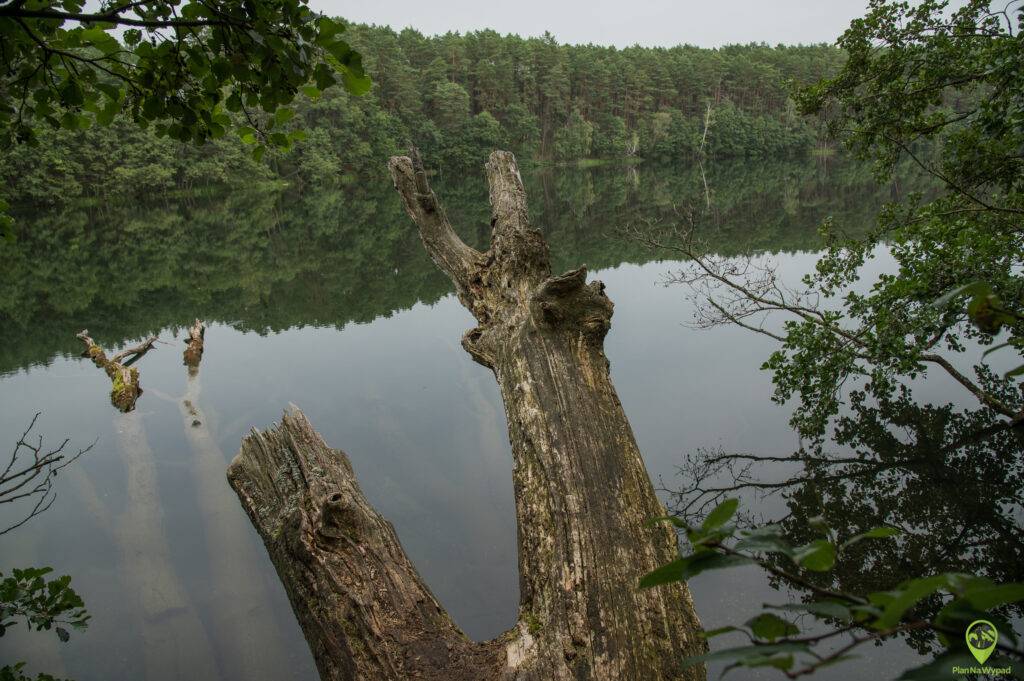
457, 97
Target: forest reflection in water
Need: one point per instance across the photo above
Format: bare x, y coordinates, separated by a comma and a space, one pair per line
326, 299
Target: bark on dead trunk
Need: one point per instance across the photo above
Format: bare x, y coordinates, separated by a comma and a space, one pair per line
583, 496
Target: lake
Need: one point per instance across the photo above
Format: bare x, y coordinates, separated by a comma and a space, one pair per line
326, 300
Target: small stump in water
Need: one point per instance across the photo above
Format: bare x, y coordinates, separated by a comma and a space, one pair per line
194, 347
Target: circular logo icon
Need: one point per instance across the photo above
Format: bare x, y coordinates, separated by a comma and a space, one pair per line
981, 639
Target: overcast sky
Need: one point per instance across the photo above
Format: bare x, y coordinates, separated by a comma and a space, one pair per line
708, 23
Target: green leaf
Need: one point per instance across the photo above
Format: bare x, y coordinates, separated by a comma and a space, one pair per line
93, 35
722, 514
819, 555
328, 29
766, 539
340, 50
357, 84
718, 632
71, 93
988, 597
690, 566
873, 533
107, 114
193, 11
666, 519
835, 660
113, 93
283, 115
905, 597
666, 574
324, 76
959, 613
771, 627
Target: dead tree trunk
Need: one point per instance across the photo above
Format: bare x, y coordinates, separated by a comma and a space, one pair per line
582, 493
124, 379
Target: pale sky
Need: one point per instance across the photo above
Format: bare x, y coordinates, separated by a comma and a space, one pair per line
707, 23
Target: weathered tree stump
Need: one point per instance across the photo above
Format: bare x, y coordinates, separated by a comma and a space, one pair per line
583, 496
124, 379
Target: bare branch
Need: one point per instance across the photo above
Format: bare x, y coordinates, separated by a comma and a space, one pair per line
31, 471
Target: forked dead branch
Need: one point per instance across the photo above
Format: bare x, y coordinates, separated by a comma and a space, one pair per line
124, 378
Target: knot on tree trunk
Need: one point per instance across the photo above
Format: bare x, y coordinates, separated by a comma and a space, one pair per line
340, 519
566, 302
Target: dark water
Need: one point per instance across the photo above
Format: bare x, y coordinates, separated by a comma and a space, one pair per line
327, 301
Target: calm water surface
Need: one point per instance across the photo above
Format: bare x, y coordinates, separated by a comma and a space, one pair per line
326, 300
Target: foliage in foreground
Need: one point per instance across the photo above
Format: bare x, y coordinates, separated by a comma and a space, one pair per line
841, 621
190, 70
942, 90
180, 66
27, 597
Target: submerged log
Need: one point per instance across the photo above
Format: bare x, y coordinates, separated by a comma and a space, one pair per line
175, 643
253, 652
124, 378
582, 494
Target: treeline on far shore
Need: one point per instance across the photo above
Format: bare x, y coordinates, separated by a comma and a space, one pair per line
457, 97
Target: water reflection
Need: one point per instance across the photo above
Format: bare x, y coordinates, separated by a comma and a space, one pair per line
950, 480
328, 301
271, 260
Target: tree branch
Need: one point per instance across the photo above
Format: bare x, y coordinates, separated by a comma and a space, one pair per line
107, 17
444, 246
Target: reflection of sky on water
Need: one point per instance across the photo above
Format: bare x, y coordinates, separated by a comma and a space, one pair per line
425, 430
